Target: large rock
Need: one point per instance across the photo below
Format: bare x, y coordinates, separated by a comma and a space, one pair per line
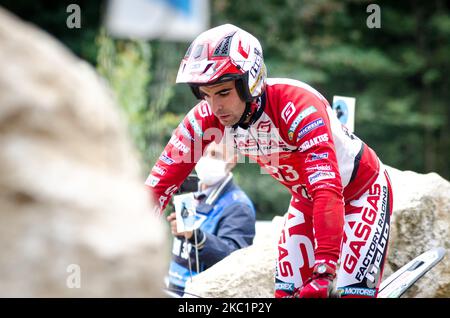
421, 220
73, 208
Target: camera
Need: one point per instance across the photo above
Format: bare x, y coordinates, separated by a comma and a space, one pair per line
189, 185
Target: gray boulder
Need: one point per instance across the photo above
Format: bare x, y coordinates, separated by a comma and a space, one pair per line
421, 221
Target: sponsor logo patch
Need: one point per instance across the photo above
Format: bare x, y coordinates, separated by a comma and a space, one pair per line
288, 111
313, 141
284, 286
185, 132
369, 292
166, 159
319, 168
308, 111
316, 156
310, 127
159, 170
256, 67
152, 181
177, 143
197, 129
320, 175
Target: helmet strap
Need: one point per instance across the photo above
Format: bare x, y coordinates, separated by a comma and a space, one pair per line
242, 88
245, 115
253, 110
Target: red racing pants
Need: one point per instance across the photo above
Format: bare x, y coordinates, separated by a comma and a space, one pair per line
363, 249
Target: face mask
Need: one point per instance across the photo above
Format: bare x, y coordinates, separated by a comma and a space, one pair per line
210, 171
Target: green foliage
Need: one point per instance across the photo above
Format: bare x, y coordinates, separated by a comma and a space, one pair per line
127, 66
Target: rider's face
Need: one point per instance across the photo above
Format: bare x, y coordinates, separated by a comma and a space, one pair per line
224, 101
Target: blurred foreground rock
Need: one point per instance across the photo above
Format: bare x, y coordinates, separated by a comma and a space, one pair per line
421, 221
71, 197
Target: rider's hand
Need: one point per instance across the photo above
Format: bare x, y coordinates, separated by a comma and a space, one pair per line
172, 219
320, 283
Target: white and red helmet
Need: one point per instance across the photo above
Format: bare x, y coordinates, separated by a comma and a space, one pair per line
221, 54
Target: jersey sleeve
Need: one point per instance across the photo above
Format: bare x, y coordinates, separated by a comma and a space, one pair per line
309, 130
179, 157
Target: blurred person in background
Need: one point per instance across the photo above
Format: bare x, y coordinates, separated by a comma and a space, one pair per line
341, 194
225, 218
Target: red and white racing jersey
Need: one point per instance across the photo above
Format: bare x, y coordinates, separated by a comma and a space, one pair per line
298, 139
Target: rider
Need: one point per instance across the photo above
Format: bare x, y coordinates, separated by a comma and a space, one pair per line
341, 195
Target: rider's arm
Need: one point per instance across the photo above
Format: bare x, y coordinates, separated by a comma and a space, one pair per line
318, 167
324, 186
179, 157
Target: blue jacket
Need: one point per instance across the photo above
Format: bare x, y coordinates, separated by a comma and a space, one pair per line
228, 224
